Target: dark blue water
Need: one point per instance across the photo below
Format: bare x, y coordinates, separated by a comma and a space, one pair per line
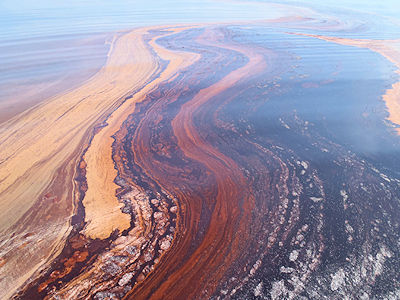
336, 90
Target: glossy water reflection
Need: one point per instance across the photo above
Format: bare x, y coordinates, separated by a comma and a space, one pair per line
47, 47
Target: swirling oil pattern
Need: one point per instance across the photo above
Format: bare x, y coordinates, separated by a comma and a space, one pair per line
212, 160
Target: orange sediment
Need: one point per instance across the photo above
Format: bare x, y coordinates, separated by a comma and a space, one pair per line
102, 209
231, 206
40, 149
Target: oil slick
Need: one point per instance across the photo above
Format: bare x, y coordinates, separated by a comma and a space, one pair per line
201, 162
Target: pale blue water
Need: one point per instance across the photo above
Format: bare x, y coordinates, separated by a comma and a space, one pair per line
377, 19
63, 42
29, 18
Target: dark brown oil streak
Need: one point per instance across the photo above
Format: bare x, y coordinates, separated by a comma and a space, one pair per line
58, 273
231, 207
244, 214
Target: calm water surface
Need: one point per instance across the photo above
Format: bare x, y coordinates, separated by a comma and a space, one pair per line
49, 46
